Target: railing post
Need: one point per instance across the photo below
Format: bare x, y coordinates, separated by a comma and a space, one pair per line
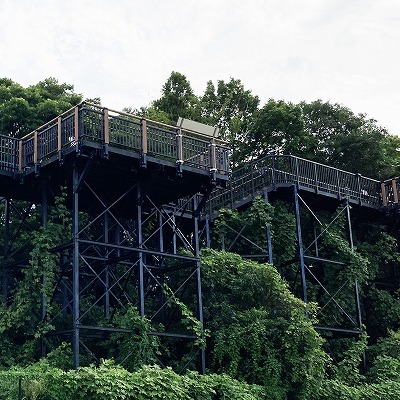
359, 186
316, 177
226, 161
179, 151
384, 195
213, 160
395, 192
59, 144
338, 183
35, 147
20, 155
273, 172
106, 132
143, 143
35, 151
14, 155
76, 125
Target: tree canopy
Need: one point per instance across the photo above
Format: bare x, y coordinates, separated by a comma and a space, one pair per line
320, 131
24, 109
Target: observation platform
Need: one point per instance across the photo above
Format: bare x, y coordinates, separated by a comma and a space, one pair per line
117, 149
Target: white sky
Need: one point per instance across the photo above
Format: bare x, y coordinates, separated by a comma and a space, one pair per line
344, 51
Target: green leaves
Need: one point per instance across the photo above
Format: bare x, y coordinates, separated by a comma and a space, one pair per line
259, 331
110, 382
24, 109
140, 347
347, 141
278, 127
243, 232
177, 97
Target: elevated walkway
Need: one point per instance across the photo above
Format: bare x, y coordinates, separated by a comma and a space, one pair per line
172, 162
275, 173
121, 148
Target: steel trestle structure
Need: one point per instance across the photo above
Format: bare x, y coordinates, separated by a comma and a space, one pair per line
140, 194
129, 185
313, 187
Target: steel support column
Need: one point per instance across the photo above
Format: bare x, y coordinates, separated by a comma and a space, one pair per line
44, 224
198, 276
44, 204
269, 236
75, 268
300, 244
174, 233
6, 248
161, 231
161, 248
356, 288
315, 240
140, 254
117, 238
208, 235
107, 268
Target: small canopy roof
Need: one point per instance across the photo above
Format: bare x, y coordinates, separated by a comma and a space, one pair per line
207, 130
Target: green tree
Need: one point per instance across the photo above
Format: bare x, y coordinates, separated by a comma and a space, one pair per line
230, 107
278, 127
24, 109
149, 112
15, 111
341, 139
177, 98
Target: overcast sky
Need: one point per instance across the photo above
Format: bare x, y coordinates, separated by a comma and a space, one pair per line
344, 51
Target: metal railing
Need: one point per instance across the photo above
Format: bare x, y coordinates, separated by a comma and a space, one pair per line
275, 171
9, 154
93, 125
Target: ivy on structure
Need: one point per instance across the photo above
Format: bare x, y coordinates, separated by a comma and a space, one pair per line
23, 323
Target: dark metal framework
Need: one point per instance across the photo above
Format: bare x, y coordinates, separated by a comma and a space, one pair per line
133, 189
114, 263
129, 183
307, 184
311, 262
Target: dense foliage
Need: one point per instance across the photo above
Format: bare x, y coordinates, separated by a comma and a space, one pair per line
24, 109
260, 338
108, 381
320, 131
